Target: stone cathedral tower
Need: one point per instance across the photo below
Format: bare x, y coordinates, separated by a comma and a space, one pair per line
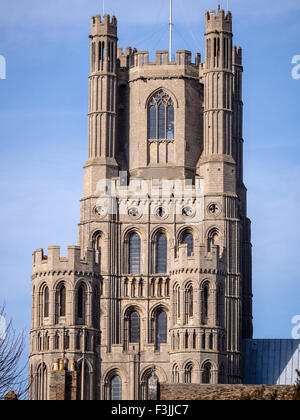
160, 283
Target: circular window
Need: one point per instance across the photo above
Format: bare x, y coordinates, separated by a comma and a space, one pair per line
187, 211
133, 212
100, 211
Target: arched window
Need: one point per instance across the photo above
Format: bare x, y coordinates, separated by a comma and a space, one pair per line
126, 287
83, 382
206, 374
212, 238
141, 288
46, 302
220, 298
41, 383
56, 341
161, 253
176, 294
186, 340
188, 373
160, 328
98, 245
96, 307
188, 302
115, 388
152, 287
187, 238
81, 302
61, 300
205, 296
175, 374
161, 117
167, 287
159, 288
67, 341
134, 254
133, 288
134, 327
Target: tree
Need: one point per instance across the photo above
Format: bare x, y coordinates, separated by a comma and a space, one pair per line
296, 395
13, 376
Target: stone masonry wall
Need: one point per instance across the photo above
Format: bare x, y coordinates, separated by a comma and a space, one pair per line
224, 392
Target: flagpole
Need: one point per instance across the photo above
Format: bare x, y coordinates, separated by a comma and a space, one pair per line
171, 25
103, 7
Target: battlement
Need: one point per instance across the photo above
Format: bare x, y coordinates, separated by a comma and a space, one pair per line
54, 262
183, 58
208, 261
219, 21
237, 55
104, 26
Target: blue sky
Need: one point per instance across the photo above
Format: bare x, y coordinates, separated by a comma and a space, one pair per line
43, 123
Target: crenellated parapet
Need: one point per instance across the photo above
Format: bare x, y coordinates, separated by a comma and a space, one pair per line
218, 21
237, 55
53, 262
208, 263
104, 26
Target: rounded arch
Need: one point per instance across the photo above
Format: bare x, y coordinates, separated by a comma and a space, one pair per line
160, 373
131, 308
111, 371
114, 384
96, 233
157, 230
167, 91
187, 237
133, 229
157, 307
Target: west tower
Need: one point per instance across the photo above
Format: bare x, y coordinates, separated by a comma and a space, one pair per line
160, 284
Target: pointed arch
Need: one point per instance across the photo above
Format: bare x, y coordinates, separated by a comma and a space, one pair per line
161, 124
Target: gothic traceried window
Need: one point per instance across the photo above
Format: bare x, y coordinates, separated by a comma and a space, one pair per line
161, 117
41, 382
134, 254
